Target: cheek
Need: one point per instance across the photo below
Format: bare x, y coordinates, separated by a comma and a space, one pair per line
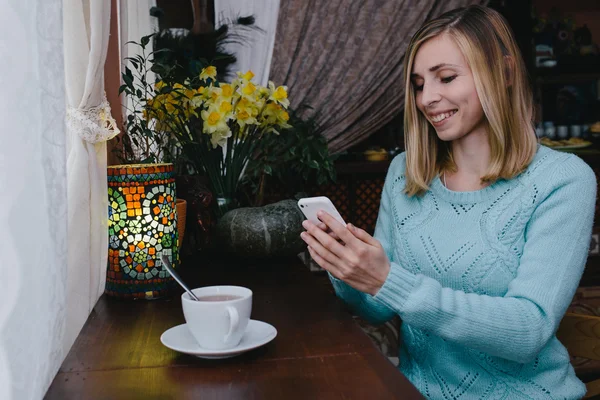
476, 107
467, 99
418, 102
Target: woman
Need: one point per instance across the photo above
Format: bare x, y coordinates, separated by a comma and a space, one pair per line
482, 235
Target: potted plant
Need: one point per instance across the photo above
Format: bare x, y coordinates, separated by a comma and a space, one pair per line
225, 130
142, 142
143, 207
218, 126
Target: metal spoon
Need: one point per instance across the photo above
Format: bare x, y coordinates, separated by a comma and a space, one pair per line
169, 268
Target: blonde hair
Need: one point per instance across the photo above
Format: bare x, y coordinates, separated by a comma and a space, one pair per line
489, 48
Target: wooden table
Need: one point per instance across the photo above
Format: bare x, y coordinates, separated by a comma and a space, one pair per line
319, 352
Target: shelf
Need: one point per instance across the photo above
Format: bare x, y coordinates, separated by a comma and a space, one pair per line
567, 77
566, 6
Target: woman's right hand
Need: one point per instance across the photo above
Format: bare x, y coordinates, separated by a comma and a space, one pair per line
325, 228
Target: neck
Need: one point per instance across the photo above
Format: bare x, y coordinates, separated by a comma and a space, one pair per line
471, 155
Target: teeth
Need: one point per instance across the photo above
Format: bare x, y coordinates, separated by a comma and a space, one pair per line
442, 116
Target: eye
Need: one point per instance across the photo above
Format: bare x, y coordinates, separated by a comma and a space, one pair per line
417, 88
448, 79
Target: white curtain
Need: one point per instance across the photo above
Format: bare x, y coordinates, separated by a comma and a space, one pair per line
256, 53
33, 205
89, 126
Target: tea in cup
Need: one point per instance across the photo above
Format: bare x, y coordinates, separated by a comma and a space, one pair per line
219, 320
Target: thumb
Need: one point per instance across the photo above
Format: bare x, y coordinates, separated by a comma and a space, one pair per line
363, 235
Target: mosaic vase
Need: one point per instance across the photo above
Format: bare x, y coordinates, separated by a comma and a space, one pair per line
142, 225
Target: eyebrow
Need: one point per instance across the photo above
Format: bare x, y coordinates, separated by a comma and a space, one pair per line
435, 68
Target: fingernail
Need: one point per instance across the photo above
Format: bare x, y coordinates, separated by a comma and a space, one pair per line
303, 235
350, 226
320, 213
305, 224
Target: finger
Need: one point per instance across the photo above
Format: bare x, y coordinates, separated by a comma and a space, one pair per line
326, 265
321, 250
325, 228
325, 239
333, 270
363, 235
340, 230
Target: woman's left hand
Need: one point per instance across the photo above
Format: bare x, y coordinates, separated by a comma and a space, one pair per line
360, 261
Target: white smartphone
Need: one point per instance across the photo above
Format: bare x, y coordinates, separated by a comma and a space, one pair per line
310, 206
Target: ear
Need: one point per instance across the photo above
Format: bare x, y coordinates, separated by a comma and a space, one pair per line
509, 68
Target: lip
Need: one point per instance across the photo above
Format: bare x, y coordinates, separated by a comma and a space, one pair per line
442, 122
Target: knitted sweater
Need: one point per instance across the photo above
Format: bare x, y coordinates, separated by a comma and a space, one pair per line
482, 279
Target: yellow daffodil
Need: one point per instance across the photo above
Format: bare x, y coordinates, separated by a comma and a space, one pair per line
225, 107
197, 98
219, 138
244, 117
270, 113
250, 108
282, 118
246, 76
263, 92
213, 121
209, 72
279, 94
189, 93
248, 89
159, 85
227, 91
213, 93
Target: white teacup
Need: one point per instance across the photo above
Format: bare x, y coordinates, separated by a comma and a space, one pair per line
218, 321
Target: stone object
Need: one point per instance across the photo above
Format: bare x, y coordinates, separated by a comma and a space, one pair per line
269, 231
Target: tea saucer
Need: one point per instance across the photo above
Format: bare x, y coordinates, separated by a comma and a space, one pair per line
180, 339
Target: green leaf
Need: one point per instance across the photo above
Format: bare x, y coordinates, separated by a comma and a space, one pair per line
268, 170
313, 164
145, 40
161, 51
128, 78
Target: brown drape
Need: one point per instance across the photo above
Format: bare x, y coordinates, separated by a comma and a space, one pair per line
344, 59
112, 80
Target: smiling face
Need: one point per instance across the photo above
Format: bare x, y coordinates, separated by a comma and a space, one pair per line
445, 90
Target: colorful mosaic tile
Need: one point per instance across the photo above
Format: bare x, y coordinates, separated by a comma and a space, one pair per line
142, 225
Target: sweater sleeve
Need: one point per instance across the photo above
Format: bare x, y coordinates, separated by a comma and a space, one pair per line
363, 304
519, 324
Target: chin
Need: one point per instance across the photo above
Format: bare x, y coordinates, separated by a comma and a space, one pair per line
447, 136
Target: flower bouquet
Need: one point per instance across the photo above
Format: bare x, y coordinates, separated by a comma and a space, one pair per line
218, 125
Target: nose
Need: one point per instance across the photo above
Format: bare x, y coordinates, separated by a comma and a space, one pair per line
430, 94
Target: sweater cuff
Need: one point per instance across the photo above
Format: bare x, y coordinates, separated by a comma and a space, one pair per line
397, 287
338, 285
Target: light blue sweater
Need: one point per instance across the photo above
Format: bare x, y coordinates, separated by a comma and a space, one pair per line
481, 280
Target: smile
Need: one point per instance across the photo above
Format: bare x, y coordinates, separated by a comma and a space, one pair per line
442, 116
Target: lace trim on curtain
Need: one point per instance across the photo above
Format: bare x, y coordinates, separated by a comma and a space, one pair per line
93, 124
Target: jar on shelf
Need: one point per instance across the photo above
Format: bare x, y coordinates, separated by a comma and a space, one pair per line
549, 130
